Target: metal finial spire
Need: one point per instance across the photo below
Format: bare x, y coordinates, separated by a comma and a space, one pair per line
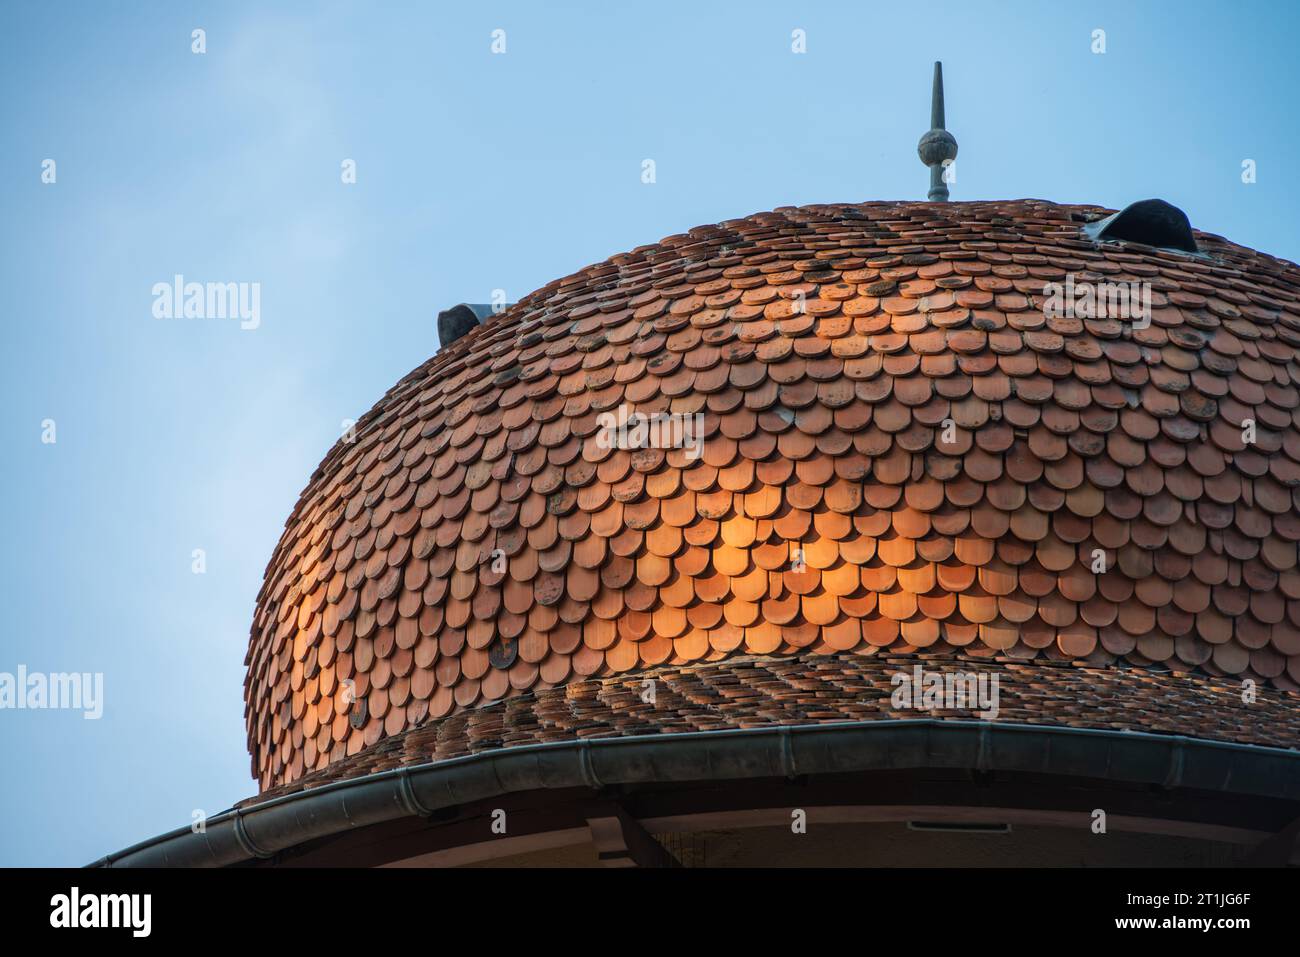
938, 146
936, 98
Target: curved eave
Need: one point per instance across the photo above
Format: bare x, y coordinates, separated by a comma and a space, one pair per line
264, 830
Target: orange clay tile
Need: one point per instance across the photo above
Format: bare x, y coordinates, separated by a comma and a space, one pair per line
901, 454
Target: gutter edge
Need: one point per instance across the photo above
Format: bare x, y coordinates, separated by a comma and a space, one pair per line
263, 830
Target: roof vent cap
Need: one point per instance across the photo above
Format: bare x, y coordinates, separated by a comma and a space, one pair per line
460, 319
1152, 222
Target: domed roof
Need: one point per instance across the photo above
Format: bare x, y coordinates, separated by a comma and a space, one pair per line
906, 450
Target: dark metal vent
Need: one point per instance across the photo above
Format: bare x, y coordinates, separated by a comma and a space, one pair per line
1152, 222
460, 319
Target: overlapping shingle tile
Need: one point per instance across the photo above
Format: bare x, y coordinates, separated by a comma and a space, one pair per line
903, 453
747, 691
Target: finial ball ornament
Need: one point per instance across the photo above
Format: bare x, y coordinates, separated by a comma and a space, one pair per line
937, 146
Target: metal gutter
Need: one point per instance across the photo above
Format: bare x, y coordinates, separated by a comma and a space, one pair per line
1171, 761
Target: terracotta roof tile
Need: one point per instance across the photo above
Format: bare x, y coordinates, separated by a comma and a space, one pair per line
749, 691
883, 400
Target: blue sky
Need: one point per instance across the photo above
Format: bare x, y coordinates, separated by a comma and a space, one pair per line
474, 172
